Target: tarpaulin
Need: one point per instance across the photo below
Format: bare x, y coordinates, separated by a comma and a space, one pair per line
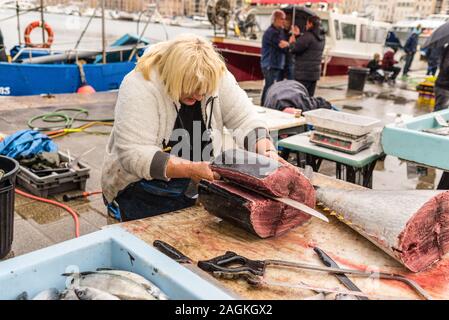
26, 144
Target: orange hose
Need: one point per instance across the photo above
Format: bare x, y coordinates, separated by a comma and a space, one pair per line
58, 204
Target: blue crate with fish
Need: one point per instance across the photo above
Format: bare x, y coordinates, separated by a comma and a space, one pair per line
109, 264
424, 139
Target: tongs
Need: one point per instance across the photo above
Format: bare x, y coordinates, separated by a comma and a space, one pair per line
231, 265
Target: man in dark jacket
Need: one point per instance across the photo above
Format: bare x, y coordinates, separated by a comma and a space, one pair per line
308, 49
289, 68
388, 62
410, 50
274, 49
442, 100
292, 94
433, 60
442, 82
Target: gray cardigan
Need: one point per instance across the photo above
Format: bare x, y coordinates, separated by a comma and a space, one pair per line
145, 117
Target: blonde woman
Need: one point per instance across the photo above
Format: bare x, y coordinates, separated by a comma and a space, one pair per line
169, 118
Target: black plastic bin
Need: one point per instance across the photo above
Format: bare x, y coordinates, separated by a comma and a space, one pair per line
357, 78
7, 189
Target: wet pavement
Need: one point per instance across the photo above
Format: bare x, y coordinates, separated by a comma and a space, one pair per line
39, 225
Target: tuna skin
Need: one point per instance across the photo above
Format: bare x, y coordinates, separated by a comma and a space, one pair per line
257, 214
412, 226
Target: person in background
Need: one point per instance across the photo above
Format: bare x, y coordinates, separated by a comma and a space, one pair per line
410, 48
374, 64
289, 69
274, 49
308, 50
388, 63
442, 100
290, 96
442, 82
3, 56
433, 60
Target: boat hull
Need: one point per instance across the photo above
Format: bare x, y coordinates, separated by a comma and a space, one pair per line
243, 60
18, 79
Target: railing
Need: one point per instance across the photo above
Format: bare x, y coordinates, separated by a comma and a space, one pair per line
74, 53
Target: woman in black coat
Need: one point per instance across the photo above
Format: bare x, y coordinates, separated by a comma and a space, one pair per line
308, 50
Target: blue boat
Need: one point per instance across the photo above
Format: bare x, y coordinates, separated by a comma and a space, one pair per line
27, 76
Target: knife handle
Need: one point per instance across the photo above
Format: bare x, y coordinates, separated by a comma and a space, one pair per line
171, 252
328, 262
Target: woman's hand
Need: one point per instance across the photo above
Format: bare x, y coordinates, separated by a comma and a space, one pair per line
292, 39
295, 30
283, 44
181, 168
201, 170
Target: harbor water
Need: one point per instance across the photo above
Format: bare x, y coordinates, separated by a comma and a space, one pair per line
68, 28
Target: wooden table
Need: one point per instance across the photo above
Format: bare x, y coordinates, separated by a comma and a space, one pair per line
358, 168
203, 236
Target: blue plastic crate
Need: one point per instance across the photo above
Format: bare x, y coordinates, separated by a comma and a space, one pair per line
109, 248
409, 142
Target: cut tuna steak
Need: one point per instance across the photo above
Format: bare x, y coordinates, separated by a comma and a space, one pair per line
412, 226
252, 211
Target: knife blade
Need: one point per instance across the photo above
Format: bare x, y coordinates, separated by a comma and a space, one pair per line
290, 202
328, 262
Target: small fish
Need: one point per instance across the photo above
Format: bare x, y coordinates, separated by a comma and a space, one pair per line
68, 294
151, 287
116, 285
93, 294
49, 294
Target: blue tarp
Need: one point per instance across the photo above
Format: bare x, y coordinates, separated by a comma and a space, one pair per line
26, 144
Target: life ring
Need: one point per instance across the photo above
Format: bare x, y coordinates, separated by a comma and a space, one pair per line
38, 24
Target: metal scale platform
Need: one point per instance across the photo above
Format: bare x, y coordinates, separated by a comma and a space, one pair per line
340, 131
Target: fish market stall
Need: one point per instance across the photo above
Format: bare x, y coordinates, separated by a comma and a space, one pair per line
202, 236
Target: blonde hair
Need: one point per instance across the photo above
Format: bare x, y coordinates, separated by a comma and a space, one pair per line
187, 65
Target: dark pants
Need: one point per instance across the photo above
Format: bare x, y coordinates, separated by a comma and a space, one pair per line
444, 182
310, 86
431, 71
150, 198
408, 62
395, 71
271, 76
441, 98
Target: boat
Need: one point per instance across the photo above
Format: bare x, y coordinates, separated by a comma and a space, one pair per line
53, 72
350, 41
403, 28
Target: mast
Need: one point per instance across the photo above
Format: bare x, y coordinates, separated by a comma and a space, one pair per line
18, 22
42, 21
103, 34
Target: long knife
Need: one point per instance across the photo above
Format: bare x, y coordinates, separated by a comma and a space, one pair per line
328, 262
290, 202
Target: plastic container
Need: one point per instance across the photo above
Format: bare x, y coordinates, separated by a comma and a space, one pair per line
7, 189
357, 78
348, 123
109, 248
74, 179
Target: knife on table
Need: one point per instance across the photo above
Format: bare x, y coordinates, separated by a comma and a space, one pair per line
328, 262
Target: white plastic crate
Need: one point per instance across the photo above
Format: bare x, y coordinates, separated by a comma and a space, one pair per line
348, 123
